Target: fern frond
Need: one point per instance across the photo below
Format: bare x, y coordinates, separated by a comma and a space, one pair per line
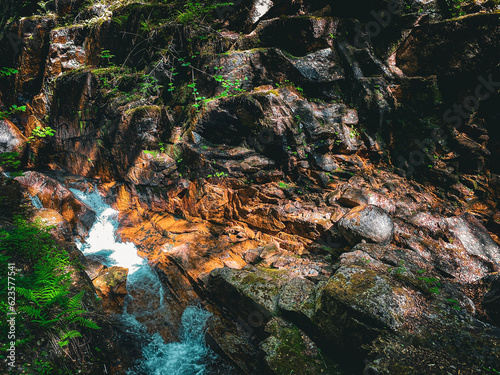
84, 322
32, 312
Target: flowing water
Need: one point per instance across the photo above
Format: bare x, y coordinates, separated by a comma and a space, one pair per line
190, 356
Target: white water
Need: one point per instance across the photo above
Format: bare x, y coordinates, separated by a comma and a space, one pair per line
187, 357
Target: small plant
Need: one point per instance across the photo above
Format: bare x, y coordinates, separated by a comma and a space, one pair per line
44, 293
106, 55
284, 185
354, 133
454, 304
401, 268
5, 72
13, 110
432, 282
40, 132
10, 160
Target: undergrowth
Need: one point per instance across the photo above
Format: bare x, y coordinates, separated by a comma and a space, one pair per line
48, 309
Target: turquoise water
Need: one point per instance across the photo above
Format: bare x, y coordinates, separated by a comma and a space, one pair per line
190, 355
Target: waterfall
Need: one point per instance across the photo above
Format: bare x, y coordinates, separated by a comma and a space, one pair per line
187, 357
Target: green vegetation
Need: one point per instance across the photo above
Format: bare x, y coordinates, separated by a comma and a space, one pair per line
4, 72
47, 306
40, 132
195, 12
12, 110
432, 283
10, 160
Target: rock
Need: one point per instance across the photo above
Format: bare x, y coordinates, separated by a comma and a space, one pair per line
297, 35
255, 291
55, 196
179, 253
290, 350
475, 239
66, 51
298, 296
466, 51
325, 162
151, 168
64, 7
491, 300
234, 340
11, 138
353, 197
366, 222
34, 33
111, 286
253, 255
52, 218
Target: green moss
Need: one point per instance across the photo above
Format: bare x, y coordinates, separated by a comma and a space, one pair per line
273, 91
290, 351
252, 278
106, 71
273, 272
143, 110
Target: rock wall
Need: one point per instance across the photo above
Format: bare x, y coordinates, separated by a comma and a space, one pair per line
320, 176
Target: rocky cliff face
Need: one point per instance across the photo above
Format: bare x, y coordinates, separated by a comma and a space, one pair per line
319, 175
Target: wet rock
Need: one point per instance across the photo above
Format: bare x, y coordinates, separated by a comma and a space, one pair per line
366, 222
111, 287
55, 196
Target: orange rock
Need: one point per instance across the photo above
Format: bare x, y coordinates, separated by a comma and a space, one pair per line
111, 286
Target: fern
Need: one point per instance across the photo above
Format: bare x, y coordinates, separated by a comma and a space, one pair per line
44, 295
66, 337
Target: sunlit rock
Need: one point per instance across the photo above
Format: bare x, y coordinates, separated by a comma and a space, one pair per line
367, 222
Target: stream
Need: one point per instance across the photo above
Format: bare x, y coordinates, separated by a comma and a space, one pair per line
144, 311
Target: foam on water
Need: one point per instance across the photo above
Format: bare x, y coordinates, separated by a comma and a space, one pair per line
187, 357
102, 241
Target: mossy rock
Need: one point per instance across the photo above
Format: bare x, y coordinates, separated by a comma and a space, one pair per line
290, 351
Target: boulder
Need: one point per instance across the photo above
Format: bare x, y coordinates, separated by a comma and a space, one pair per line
471, 44
55, 196
111, 286
11, 138
290, 351
368, 223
